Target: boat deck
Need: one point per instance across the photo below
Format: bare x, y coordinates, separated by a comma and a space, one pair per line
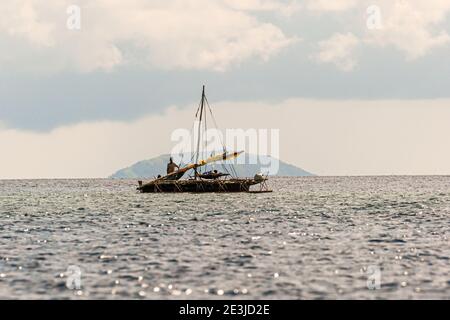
201, 186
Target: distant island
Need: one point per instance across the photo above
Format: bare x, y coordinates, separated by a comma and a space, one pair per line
153, 167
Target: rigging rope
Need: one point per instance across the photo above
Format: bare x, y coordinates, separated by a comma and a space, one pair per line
233, 171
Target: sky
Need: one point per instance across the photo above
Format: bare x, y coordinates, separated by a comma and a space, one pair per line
354, 87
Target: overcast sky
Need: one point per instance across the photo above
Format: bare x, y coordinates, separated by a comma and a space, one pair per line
355, 87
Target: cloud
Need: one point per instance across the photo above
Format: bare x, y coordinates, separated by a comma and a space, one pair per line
20, 19
413, 27
331, 5
339, 50
351, 137
174, 34
286, 9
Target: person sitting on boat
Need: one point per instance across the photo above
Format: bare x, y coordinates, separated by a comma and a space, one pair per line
171, 166
210, 172
212, 175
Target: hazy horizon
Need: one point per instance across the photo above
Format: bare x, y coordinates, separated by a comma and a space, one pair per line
355, 88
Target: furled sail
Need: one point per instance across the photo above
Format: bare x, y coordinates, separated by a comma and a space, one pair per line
220, 157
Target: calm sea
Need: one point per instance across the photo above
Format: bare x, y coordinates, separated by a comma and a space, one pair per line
313, 238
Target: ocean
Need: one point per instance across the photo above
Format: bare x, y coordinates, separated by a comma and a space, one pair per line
312, 238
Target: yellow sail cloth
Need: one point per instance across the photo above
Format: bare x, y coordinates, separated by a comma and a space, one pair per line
221, 157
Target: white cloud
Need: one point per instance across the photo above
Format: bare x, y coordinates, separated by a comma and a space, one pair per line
339, 50
331, 5
413, 27
20, 19
286, 9
174, 34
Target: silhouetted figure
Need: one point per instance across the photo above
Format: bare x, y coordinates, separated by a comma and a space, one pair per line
171, 166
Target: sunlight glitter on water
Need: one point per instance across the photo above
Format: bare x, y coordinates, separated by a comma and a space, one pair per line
311, 238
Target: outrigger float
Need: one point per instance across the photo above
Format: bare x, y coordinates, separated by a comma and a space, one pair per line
211, 181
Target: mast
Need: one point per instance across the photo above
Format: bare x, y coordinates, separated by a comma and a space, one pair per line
205, 139
202, 105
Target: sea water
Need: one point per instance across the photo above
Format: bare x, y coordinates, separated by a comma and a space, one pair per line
312, 238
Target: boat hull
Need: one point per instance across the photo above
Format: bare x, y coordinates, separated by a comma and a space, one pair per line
199, 186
